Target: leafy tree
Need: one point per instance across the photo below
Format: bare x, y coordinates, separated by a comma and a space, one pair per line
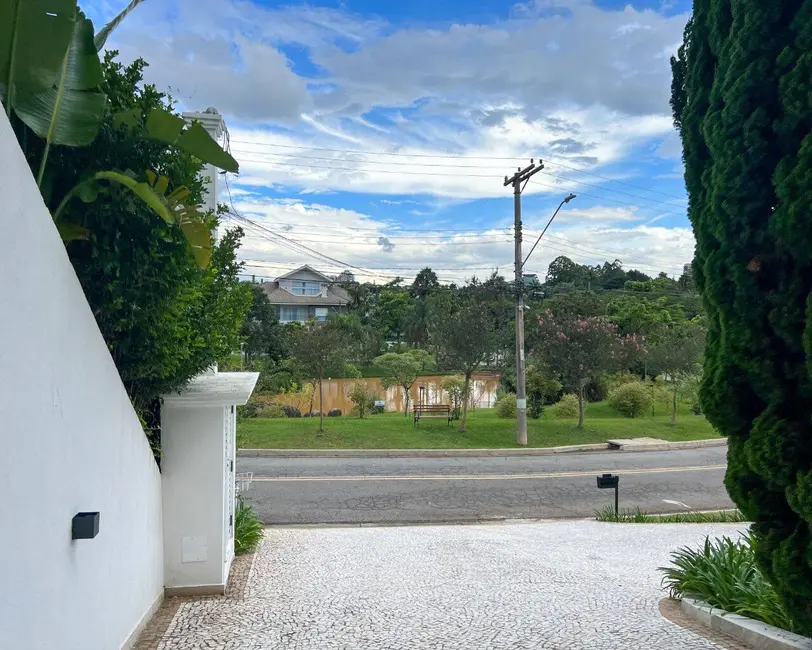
740, 95
676, 352
425, 283
541, 389
454, 386
261, 331
641, 316
562, 270
496, 296
576, 303
636, 276
580, 349
403, 369
362, 396
392, 313
319, 346
464, 333
164, 318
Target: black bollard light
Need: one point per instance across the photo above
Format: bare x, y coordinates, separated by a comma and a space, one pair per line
606, 481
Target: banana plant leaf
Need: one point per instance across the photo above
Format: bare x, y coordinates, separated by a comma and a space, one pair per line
104, 32
171, 208
127, 117
71, 231
34, 36
169, 128
198, 236
71, 111
142, 190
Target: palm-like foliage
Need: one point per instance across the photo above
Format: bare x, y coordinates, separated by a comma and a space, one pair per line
50, 74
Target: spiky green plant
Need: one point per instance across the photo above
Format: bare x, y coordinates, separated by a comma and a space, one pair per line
638, 516
723, 572
247, 528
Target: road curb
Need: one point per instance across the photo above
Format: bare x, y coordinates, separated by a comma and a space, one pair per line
756, 634
443, 453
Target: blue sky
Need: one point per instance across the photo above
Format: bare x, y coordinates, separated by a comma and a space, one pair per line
378, 133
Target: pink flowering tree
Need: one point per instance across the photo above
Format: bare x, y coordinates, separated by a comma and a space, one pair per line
581, 348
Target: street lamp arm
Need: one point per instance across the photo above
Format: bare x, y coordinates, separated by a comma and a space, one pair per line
566, 200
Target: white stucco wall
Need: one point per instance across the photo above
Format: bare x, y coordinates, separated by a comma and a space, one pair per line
71, 443
193, 479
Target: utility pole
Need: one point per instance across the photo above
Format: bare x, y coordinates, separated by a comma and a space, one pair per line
519, 181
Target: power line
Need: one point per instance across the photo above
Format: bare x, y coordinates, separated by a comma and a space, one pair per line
491, 176
436, 241
349, 238
406, 164
547, 159
373, 171
311, 251
605, 198
419, 267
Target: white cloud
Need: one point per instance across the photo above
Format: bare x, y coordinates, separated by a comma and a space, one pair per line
512, 61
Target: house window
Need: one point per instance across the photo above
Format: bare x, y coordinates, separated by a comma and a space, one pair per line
290, 314
321, 313
303, 288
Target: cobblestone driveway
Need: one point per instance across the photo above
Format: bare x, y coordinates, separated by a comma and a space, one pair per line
568, 585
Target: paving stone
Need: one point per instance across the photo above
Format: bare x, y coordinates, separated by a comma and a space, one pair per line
555, 585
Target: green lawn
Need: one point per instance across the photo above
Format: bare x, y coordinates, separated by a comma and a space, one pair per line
394, 431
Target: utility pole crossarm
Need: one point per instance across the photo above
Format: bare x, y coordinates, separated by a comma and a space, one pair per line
524, 174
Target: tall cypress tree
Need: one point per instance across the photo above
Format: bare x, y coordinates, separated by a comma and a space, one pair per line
742, 101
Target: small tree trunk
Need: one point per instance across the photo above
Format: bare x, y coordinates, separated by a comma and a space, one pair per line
465, 403
406, 401
321, 407
581, 406
674, 406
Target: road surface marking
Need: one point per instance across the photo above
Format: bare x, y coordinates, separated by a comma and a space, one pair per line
484, 477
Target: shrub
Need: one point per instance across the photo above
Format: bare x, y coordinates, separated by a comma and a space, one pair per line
247, 528
567, 407
541, 389
270, 411
298, 396
351, 371
334, 413
631, 400
620, 379
724, 574
249, 410
506, 406
361, 395
291, 411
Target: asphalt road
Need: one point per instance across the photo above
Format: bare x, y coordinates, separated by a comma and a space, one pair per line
411, 490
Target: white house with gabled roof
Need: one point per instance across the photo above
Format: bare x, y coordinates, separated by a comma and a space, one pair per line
306, 293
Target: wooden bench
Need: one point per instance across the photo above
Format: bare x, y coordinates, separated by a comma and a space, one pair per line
431, 411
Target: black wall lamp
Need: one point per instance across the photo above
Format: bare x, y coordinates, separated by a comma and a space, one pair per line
608, 481
85, 525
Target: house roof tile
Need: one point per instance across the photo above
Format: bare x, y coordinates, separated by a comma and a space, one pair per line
336, 296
